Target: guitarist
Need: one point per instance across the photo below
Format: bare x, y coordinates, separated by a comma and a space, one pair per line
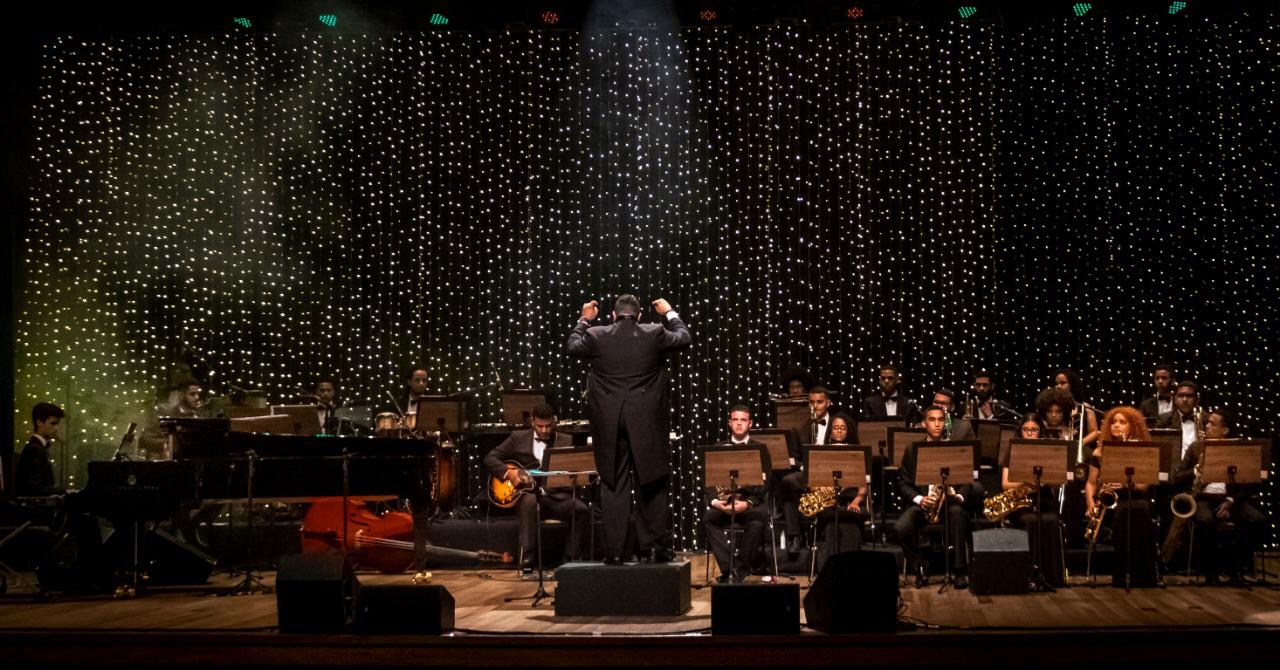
522, 451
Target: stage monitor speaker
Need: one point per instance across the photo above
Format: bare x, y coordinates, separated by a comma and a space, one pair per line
413, 609
1001, 562
755, 609
172, 561
855, 592
313, 593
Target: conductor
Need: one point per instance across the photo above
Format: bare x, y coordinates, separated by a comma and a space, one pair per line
628, 407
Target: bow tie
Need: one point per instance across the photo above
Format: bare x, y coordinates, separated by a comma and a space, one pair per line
822, 422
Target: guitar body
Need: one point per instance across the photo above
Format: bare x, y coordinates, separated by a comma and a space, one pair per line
503, 493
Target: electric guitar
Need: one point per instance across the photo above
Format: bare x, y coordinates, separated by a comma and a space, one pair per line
505, 494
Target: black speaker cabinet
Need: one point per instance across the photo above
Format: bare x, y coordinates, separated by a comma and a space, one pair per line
314, 593
418, 609
855, 592
1001, 562
755, 609
172, 561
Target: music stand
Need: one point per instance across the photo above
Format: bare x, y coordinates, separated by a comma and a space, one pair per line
305, 419
987, 431
1236, 462
1170, 441
438, 412
943, 464
875, 432
901, 436
577, 462
276, 424
791, 413
1044, 463
733, 466
518, 404
1135, 464
778, 442
838, 465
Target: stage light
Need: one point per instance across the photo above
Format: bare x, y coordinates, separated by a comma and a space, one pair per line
243, 22
708, 15
550, 18
1176, 6
330, 20
1082, 8
855, 12
966, 11
439, 19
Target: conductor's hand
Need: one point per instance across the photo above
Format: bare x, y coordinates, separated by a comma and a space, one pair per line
662, 306
590, 310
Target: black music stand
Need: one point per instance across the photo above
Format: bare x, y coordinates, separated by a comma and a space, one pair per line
987, 432
836, 464
541, 594
578, 462
1235, 462
1136, 464
1044, 463
948, 463
791, 413
732, 465
251, 584
777, 442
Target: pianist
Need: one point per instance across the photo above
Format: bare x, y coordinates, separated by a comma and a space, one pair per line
34, 473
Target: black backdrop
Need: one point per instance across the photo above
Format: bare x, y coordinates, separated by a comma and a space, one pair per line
1096, 192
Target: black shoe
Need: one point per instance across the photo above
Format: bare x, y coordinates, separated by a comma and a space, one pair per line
922, 580
528, 565
613, 560
722, 579
1211, 580
960, 582
659, 555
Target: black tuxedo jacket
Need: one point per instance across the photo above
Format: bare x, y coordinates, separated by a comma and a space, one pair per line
873, 408
627, 386
1170, 420
518, 447
907, 474
1150, 407
33, 475
797, 449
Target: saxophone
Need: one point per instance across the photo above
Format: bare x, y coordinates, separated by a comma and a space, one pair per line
1183, 505
816, 500
1001, 505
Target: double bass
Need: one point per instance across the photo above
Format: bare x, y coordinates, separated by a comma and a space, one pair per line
379, 542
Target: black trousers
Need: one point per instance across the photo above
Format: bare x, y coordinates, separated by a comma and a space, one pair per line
790, 489
1216, 559
561, 506
1143, 562
848, 538
754, 523
913, 520
1047, 530
652, 516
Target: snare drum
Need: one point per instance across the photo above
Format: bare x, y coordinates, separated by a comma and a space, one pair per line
387, 424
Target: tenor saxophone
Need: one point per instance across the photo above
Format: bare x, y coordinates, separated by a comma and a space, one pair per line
1001, 505
817, 500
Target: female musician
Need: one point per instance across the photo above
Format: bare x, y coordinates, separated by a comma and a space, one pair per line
1054, 406
1068, 380
1044, 528
851, 504
1123, 424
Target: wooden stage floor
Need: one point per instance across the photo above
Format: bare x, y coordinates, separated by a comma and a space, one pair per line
1079, 624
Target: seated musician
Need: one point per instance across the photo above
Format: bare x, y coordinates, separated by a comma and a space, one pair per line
186, 403
1046, 525
33, 475
796, 382
923, 502
1122, 424
416, 388
851, 504
956, 428
792, 486
326, 392
524, 450
889, 401
1217, 503
748, 512
986, 405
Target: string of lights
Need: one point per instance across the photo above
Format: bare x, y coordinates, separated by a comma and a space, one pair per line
1094, 192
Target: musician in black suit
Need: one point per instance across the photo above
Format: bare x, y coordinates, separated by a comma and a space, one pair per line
628, 407
792, 485
525, 450
1217, 503
1154, 406
1186, 398
923, 501
34, 472
749, 511
889, 401
960, 428
986, 405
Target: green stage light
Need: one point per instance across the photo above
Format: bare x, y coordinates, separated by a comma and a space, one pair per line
330, 20
243, 22
439, 20
1176, 6
1082, 8
967, 10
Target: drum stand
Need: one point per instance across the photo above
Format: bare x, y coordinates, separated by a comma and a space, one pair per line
251, 583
